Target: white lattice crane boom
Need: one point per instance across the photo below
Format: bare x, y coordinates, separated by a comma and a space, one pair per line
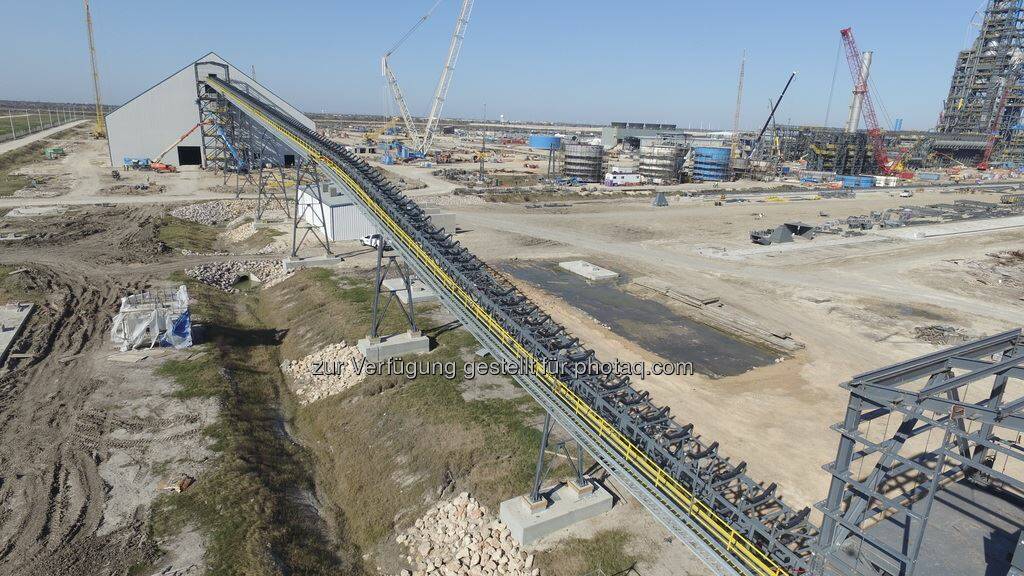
446, 75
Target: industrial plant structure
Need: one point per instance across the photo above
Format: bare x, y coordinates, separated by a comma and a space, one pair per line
985, 92
155, 121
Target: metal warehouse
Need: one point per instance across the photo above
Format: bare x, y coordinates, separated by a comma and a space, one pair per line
156, 119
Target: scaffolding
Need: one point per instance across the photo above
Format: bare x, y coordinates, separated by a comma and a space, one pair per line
979, 80
911, 430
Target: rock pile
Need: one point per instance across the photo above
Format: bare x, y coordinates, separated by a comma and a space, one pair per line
325, 372
460, 538
214, 212
240, 233
225, 275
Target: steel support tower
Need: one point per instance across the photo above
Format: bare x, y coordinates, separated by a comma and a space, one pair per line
979, 78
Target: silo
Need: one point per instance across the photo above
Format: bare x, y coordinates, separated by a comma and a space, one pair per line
661, 162
711, 163
584, 161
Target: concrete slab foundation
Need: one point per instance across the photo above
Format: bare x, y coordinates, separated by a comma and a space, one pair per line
32, 211
394, 346
291, 264
568, 505
12, 321
589, 271
420, 291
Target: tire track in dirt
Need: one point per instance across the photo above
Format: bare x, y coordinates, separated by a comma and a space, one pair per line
52, 496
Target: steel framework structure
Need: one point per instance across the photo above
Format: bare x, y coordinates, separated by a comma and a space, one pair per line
734, 523
945, 432
983, 74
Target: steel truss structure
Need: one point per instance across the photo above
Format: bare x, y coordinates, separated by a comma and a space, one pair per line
242, 148
381, 274
309, 221
945, 432
983, 74
734, 523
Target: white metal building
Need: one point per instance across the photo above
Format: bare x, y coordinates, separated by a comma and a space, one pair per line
147, 124
343, 219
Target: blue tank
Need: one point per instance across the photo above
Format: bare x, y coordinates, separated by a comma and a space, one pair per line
711, 163
545, 142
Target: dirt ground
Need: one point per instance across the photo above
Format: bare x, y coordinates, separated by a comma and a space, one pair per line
88, 435
854, 306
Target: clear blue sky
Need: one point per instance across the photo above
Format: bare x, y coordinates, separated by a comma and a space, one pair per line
571, 60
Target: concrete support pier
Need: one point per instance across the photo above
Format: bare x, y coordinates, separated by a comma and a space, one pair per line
380, 349
563, 507
291, 264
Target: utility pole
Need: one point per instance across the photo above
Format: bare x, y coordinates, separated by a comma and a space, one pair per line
10, 116
483, 154
101, 124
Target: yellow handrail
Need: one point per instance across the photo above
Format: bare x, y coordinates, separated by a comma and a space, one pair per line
751, 556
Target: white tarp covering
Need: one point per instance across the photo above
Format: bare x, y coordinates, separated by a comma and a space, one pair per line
150, 319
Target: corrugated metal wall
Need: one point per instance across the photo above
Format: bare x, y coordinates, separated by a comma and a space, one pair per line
153, 120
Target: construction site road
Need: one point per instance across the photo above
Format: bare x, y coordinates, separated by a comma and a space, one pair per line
26, 140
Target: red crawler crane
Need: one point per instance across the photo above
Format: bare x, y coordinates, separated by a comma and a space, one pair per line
860, 86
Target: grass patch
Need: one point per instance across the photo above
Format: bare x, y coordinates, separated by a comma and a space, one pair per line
196, 378
248, 503
18, 287
186, 235
261, 238
606, 551
411, 438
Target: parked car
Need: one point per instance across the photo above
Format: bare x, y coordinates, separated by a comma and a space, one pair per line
373, 241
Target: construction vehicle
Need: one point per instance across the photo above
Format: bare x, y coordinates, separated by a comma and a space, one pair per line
374, 136
157, 163
861, 87
100, 130
441, 93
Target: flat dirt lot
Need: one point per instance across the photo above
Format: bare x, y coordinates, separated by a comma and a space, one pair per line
854, 303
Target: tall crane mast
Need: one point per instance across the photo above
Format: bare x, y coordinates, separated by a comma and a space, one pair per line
860, 81
101, 124
392, 80
736, 115
446, 75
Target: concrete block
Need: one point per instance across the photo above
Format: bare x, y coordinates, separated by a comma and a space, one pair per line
568, 506
402, 344
291, 264
13, 318
420, 291
589, 271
